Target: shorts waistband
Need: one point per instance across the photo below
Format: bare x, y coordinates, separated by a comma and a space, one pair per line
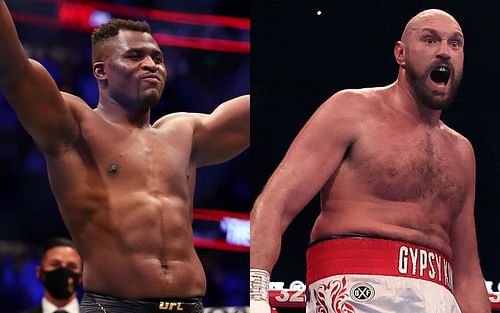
161, 304
375, 256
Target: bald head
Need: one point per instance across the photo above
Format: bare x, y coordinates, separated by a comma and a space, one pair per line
430, 57
429, 18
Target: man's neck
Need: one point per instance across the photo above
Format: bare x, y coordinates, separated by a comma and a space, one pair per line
58, 302
116, 113
406, 101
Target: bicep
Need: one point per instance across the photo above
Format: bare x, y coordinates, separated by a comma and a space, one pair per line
41, 108
463, 235
224, 133
311, 160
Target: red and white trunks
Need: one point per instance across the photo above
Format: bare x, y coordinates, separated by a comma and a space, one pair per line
368, 275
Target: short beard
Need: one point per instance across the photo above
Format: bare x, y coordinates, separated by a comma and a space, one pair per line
432, 99
150, 99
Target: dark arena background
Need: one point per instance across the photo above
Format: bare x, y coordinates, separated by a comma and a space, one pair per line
305, 52
206, 44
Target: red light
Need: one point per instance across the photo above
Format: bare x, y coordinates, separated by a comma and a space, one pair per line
80, 16
75, 15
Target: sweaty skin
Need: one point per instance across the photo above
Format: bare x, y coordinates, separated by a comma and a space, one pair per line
124, 187
410, 187
132, 226
385, 165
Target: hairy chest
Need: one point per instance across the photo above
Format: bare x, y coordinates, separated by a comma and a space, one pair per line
411, 165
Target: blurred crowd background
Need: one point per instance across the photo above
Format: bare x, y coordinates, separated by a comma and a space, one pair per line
206, 47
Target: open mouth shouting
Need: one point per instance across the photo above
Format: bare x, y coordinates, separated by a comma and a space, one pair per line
440, 74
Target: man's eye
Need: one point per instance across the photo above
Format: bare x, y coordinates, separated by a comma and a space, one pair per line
430, 40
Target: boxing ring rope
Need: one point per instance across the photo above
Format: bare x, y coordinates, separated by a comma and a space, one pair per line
158, 15
290, 298
217, 217
77, 15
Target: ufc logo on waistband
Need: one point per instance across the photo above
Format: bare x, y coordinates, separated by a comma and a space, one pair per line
171, 306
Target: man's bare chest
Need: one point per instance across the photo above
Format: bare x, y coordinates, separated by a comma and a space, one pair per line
146, 157
411, 166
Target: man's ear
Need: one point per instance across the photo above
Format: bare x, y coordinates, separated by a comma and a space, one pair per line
99, 71
399, 54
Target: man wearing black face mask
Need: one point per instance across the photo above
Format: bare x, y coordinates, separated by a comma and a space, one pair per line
60, 273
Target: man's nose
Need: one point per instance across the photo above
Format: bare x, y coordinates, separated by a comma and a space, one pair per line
149, 63
444, 50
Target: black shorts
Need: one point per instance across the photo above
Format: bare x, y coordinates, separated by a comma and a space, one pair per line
98, 303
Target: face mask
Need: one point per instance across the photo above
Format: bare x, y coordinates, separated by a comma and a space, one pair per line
60, 283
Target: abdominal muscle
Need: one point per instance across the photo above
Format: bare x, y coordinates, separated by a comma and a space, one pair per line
137, 276
139, 247
409, 222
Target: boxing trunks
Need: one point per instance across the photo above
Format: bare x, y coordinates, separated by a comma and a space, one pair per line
361, 275
98, 303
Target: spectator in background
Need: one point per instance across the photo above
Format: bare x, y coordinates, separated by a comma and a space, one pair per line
60, 272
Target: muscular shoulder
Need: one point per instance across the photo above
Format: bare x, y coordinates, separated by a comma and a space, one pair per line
355, 102
347, 110
455, 136
461, 142
340, 119
77, 105
180, 119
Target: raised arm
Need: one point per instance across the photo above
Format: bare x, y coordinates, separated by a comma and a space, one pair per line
32, 92
224, 133
311, 160
468, 281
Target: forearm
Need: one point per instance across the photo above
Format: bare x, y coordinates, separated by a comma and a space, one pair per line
286, 193
472, 296
265, 246
265, 238
13, 59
